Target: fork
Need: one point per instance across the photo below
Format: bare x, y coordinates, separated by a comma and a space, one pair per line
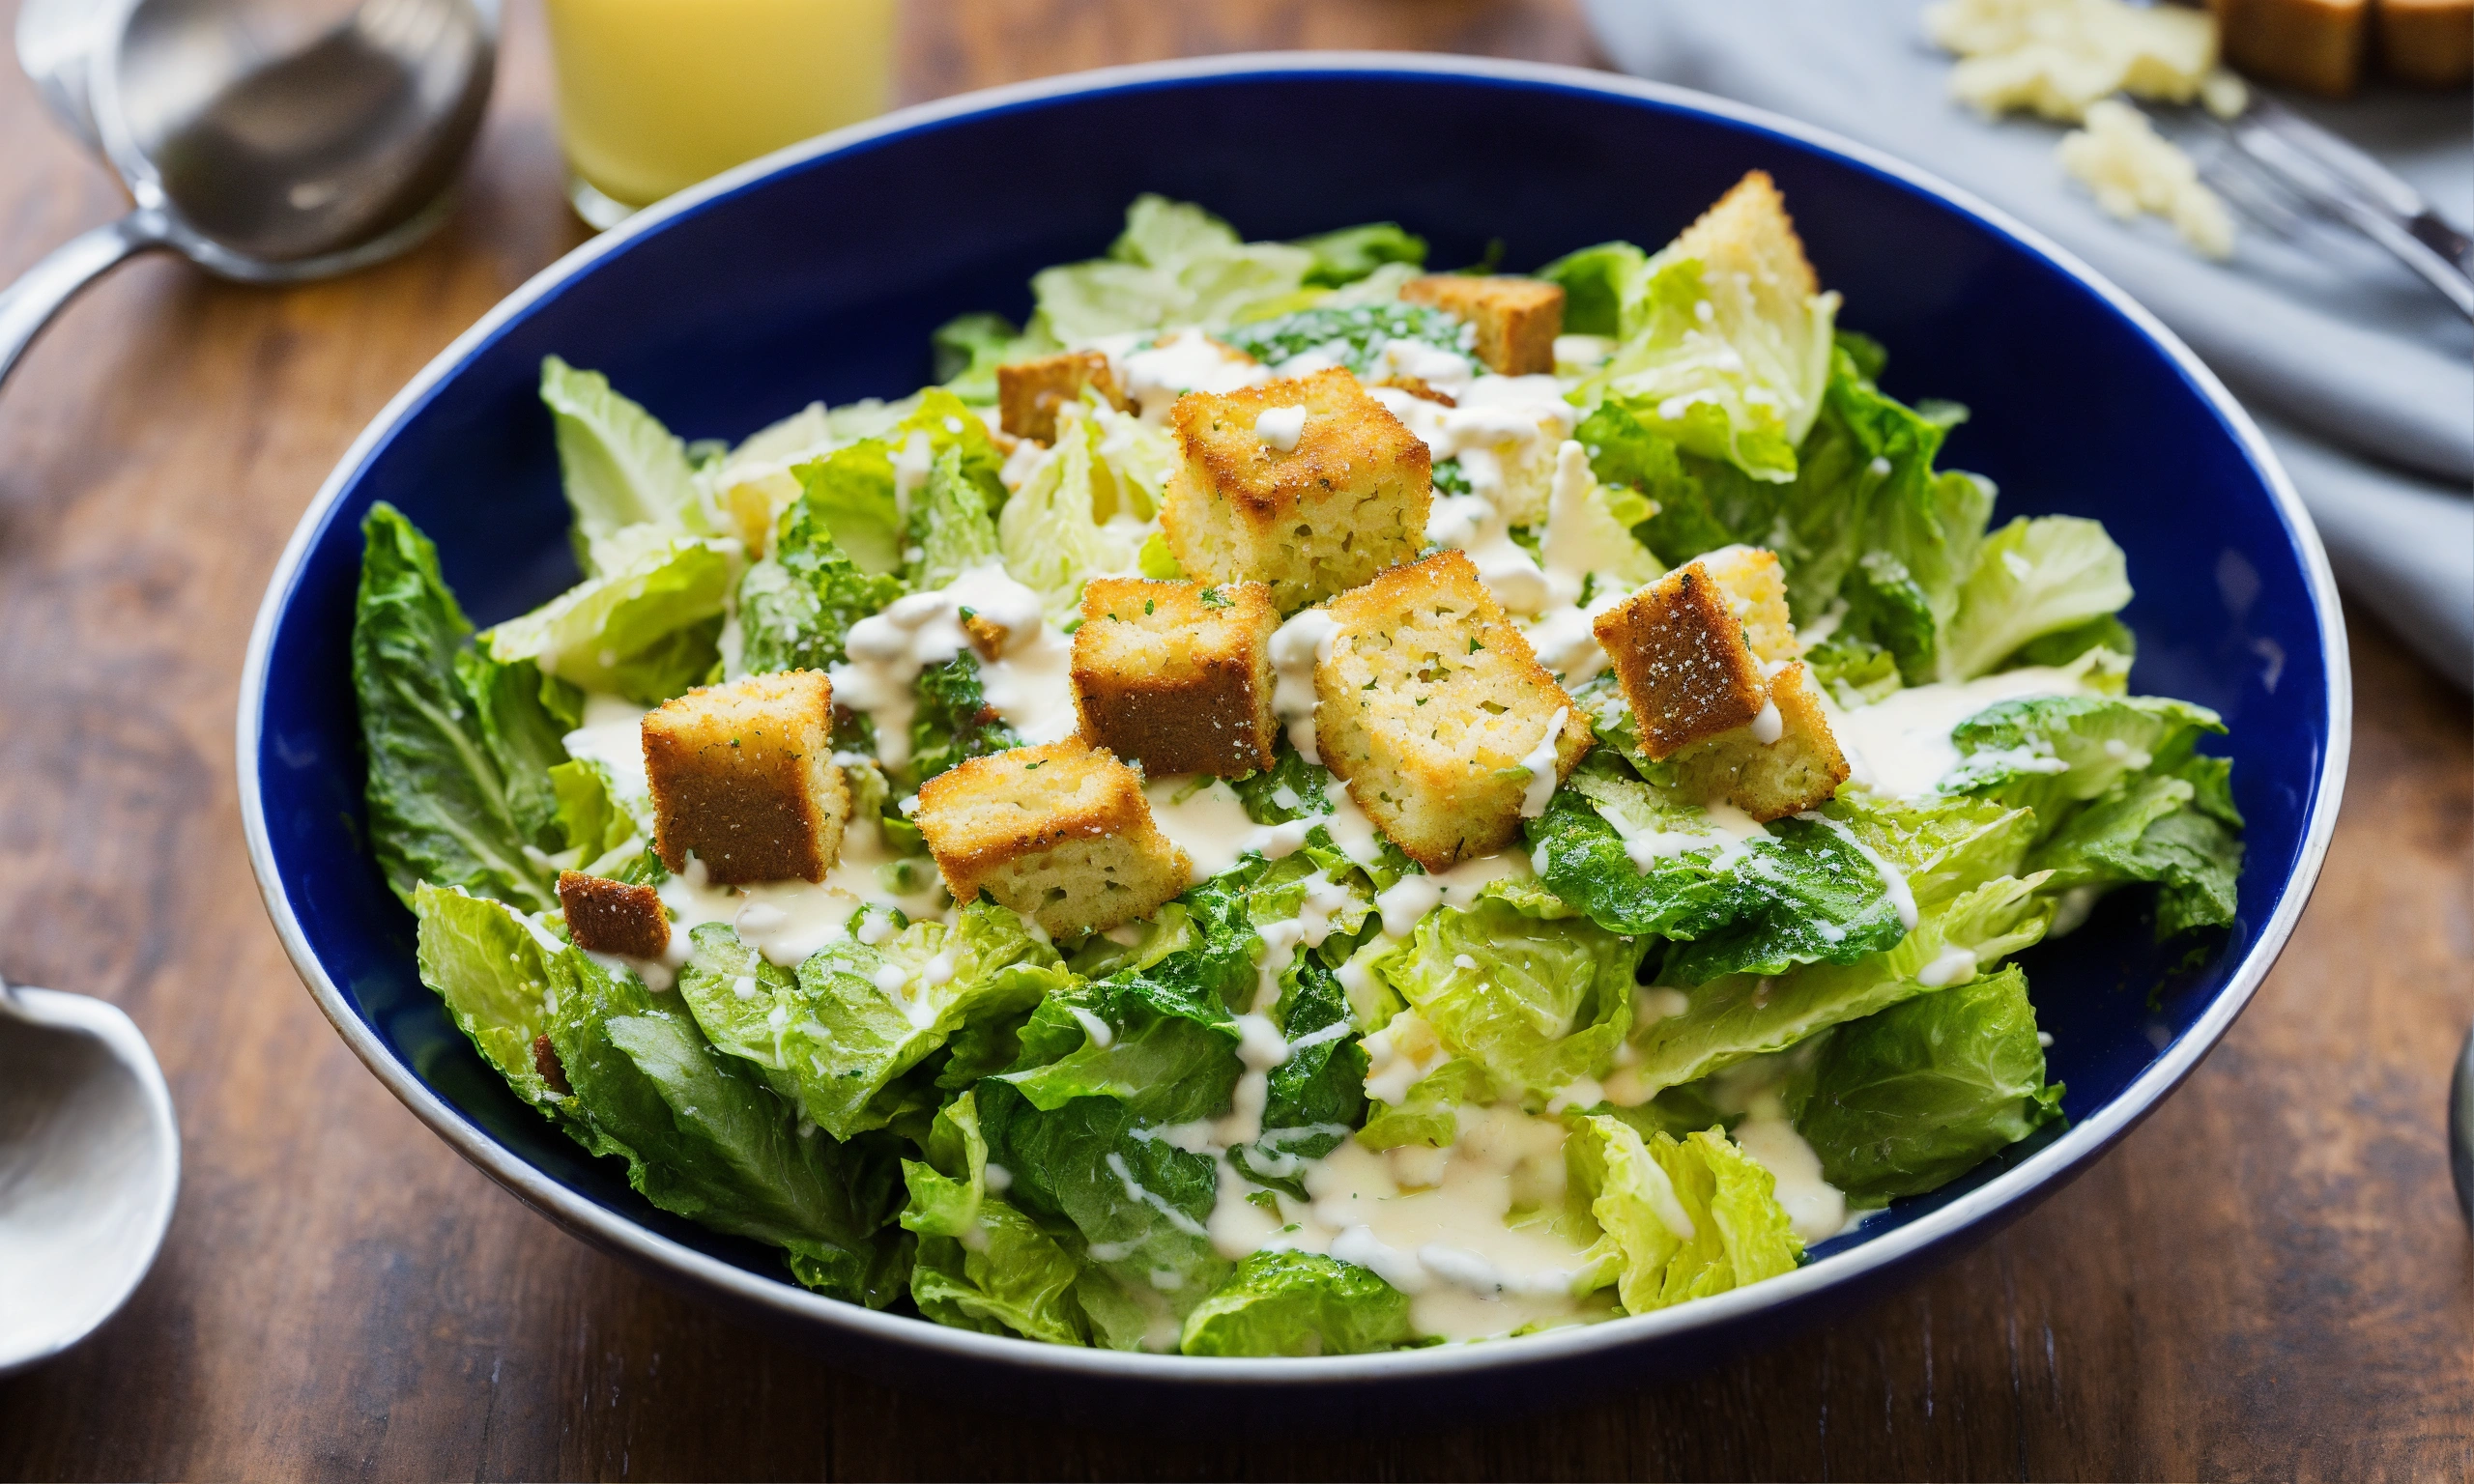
2277, 157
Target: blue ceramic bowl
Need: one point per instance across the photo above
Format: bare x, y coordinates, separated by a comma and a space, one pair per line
819, 273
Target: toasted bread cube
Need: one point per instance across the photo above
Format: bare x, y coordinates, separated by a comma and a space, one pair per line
1679, 651
614, 917
2316, 46
1517, 319
1059, 833
1028, 393
1748, 231
1756, 590
2427, 42
1797, 770
1309, 508
1430, 705
1177, 675
743, 774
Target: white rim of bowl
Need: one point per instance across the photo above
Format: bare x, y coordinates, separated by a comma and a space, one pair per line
2017, 1188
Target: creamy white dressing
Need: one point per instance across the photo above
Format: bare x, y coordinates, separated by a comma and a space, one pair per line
1208, 821
788, 922
1028, 683
1188, 360
613, 735
1280, 427
1815, 1208
1901, 745
1504, 430
1297, 646
1436, 1224
1540, 761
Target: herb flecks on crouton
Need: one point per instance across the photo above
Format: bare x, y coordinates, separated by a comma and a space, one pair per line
743, 776
1309, 505
1798, 770
1028, 393
1517, 319
1430, 705
1708, 660
1680, 653
614, 917
1059, 833
1177, 675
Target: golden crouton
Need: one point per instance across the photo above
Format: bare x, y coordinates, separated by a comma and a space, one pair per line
1749, 232
1430, 705
1311, 508
1756, 590
1679, 651
614, 917
1177, 675
1028, 393
743, 774
1799, 770
1060, 834
1517, 319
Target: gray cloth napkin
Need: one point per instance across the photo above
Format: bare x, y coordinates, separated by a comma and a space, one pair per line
2362, 377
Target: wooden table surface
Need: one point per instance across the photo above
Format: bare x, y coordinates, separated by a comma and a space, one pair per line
2266, 1278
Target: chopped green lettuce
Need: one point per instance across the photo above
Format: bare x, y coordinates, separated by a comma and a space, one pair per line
796, 607
1537, 1002
833, 1036
982, 1264
705, 1138
1799, 893
2049, 753
1175, 264
2178, 828
648, 627
1909, 1099
493, 968
953, 722
459, 745
1354, 253
950, 527
1683, 1218
1052, 533
1742, 1015
1298, 1303
2033, 578
621, 467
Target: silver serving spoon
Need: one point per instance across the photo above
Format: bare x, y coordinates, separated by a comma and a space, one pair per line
261, 152
90, 1161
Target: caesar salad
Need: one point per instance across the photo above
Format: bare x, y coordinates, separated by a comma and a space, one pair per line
1295, 803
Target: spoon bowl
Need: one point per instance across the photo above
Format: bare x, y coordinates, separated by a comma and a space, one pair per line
262, 150
90, 1163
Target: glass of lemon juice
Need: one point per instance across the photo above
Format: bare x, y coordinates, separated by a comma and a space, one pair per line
657, 95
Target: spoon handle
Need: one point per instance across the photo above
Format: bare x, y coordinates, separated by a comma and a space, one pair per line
29, 304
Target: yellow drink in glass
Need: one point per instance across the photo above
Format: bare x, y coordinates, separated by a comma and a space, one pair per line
657, 95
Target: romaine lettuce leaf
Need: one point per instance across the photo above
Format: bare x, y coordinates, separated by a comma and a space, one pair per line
621, 467
1909, 1099
982, 1264
833, 1036
1298, 1303
1175, 264
2049, 753
601, 831
648, 627
705, 1138
950, 527
1745, 1014
1353, 253
1050, 533
2033, 578
1430, 1112
2178, 828
495, 973
1799, 894
458, 745
1317, 1096
848, 495
953, 722
1685, 1218
1537, 1003
796, 607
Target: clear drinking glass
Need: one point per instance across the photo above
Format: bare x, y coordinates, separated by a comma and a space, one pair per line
657, 95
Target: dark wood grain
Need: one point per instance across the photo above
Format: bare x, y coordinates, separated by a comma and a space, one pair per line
2265, 1279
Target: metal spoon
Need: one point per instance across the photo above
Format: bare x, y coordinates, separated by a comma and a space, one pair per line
259, 161
90, 1161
